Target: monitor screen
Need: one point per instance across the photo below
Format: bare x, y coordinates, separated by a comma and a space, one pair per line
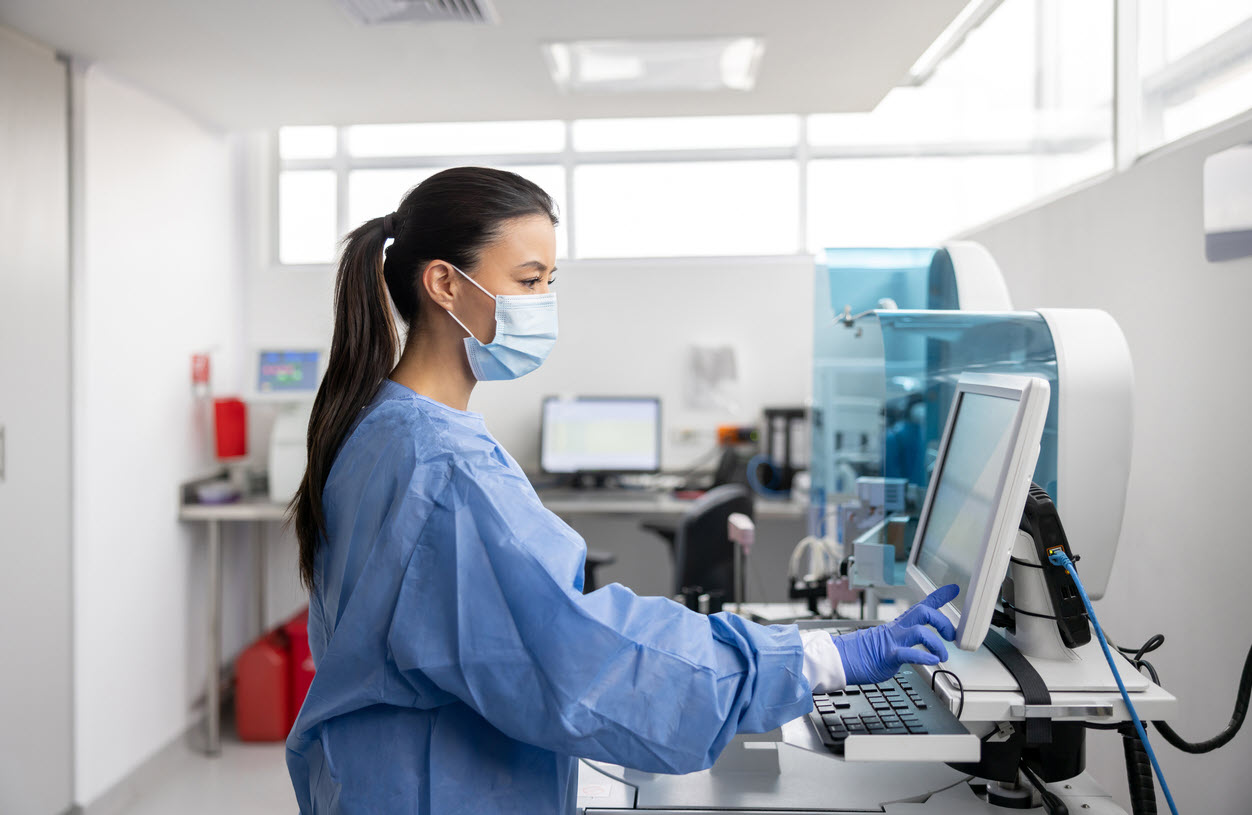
601, 435
967, 490
294, 373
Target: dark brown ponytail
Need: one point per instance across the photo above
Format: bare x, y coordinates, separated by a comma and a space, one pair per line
452, 216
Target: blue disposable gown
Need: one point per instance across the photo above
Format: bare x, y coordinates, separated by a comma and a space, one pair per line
459, 666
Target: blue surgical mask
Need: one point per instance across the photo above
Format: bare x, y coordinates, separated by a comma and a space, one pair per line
525, 334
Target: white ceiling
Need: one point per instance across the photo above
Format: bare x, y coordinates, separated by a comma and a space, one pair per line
241, 64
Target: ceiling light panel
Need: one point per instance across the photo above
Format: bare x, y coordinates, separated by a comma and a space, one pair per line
383, 12
630, 66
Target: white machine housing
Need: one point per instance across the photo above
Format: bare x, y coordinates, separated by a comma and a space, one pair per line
288, 454
1095, 429
288, 451
980, 285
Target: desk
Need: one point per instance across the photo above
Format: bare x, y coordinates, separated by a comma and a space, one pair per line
255, 510
642, 502
789, 770
761, 774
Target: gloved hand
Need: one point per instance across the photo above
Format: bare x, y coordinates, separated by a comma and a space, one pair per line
875, 654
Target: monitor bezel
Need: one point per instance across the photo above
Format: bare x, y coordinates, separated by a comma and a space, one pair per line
255, 394
543, 412
991, 564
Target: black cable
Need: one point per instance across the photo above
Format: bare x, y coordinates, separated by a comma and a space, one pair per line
1138, 773
960, 706
1232, 727
1136, 654
1030, 565
1168, 733
1017, 610
1051, 800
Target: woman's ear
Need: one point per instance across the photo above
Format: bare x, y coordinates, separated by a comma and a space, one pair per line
438, 281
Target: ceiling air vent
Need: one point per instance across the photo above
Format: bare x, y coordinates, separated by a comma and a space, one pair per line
386, 12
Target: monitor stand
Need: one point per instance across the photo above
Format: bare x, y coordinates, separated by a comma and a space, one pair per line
596, 481
1081, 669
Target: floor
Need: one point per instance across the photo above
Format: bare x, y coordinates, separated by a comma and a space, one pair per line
246, 779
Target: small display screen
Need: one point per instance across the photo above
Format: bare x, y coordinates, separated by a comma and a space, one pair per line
292, 372
964, 503
601, 435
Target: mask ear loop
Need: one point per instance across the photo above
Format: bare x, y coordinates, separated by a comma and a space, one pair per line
480, 288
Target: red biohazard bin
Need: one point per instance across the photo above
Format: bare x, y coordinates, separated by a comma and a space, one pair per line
263, 690
297, 631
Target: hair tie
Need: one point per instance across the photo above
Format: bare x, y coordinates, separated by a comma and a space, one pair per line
389, 225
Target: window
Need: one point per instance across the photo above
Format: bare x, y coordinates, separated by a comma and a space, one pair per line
1021, 105
1195, 65
911, 201
682, 209
455, 139
306, 216
307, 142
686, 133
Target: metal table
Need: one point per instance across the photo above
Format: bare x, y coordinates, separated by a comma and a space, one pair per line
255, 510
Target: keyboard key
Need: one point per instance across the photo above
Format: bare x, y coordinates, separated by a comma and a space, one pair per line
831, 720
842, 705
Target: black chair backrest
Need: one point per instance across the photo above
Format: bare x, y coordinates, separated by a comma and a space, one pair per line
704, 555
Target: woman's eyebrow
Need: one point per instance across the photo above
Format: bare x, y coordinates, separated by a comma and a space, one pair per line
535, 264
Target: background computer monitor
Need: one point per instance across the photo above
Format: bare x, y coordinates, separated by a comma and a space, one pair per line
600, 435
287, 374
974, 504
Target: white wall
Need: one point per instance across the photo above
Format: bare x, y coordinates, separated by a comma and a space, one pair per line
1134, 246
158, 279
626, 329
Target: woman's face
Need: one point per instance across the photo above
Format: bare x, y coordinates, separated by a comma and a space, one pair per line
521, 261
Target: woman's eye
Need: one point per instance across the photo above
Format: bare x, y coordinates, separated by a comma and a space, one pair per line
552, 280
530, 284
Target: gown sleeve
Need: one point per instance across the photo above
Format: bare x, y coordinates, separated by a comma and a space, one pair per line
490, 610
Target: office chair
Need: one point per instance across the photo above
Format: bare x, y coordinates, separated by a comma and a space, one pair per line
595, 559
702, 551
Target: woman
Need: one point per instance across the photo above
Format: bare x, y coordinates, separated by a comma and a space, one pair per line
459, 666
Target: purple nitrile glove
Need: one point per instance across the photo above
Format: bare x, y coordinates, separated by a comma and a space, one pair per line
875, 654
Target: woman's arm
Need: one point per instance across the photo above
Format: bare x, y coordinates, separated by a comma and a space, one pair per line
489, 612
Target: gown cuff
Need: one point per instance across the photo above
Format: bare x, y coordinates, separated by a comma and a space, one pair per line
823, 665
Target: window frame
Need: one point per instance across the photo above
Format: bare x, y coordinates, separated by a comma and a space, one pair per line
1126, 132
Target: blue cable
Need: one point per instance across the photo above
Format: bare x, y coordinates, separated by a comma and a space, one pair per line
1059, 558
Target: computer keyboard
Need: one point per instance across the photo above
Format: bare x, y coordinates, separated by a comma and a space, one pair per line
900, 719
